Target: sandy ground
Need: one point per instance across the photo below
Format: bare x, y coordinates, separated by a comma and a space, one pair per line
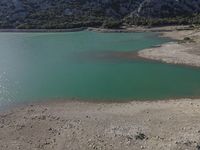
161, 125
186, 52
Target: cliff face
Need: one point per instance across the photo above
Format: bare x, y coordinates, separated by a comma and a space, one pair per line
16, 12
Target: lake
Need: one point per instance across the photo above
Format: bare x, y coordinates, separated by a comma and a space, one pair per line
88, 66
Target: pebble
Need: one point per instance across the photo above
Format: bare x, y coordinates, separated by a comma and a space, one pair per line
42, 117
128, 142
176, 142
183, 128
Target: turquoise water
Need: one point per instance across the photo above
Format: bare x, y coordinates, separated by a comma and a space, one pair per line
88, 65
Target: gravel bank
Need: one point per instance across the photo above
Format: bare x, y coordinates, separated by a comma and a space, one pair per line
186, 50
160, 125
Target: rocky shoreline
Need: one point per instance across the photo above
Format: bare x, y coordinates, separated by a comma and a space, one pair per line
73, 125
185, 50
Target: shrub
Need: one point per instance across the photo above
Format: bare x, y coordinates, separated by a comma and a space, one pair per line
112, 24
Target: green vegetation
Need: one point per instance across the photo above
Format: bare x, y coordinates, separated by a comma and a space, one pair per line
64, 22
180, 20
55, 25
112, 24
62, 14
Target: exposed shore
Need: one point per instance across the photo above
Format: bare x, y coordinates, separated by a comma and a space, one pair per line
160, 125
140, 29
185, 50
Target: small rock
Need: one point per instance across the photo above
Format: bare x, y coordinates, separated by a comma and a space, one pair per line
43, 118
187, 143
140, 136
94, 147
128, 142
44, 110
19, 127
198, 147
129, 137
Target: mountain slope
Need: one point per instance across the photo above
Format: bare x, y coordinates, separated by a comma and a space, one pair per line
168, 8
75, 13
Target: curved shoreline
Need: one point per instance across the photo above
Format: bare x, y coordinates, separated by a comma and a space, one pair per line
185, 51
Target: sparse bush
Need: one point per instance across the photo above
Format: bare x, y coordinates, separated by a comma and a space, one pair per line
112, 24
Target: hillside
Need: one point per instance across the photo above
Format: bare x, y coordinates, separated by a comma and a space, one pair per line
76, 13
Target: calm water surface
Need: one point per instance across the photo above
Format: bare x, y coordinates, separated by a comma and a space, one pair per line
88, 65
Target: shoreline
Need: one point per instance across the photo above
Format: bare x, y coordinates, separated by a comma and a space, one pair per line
103, 30
185, 50
173, 124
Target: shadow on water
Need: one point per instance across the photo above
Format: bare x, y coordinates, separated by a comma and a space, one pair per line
107, 56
